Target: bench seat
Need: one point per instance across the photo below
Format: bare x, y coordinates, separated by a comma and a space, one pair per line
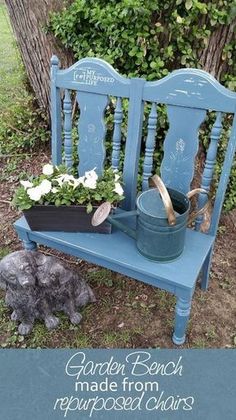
118, 252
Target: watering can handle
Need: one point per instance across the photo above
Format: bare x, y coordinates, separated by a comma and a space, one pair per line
194, 214
157, 182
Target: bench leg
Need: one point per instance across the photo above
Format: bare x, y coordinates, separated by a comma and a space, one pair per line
182, 312
206, 271
29, 245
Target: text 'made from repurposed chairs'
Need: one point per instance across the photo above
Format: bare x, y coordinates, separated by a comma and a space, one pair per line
188, 95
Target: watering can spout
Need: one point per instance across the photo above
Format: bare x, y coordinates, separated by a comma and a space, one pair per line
121, 226
103, 213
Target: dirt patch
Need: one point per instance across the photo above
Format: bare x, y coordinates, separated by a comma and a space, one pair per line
128, 313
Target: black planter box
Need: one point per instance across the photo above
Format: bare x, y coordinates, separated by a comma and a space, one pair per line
63, 219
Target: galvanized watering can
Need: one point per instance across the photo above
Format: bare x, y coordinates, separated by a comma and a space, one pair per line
162, 217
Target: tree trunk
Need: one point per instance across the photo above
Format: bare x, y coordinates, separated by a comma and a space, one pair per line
28, 19
211, 58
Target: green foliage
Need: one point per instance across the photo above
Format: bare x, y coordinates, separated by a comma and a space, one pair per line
143, 37
149, 38
23, 126
59, 187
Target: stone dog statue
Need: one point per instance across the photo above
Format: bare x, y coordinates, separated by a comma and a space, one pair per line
38, 285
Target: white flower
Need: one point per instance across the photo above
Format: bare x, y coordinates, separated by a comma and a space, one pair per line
91, 175
116, 174
78, 181
118, 189
45, 186
90, 179
61, 179
54, 190
35, 193
90, 183
26, 184
48, 169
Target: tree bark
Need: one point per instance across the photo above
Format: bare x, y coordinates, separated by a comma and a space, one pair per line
28, 19
211, 58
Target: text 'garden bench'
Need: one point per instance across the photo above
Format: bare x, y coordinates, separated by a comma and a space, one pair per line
188, 94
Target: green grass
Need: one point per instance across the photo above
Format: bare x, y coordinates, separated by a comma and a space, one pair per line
199, 343
12, 76
4, 251
101, 276
23, 126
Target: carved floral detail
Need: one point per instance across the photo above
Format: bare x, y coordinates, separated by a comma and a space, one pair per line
180, 145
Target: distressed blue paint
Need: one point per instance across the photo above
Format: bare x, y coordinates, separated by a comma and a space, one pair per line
188, 93
119, 253
180, 147
224, 179
92, 131
55, 114
29, 245
182, 312
209, 165
205, 274
150, 145
191, 88
67, 108
133, 143
118, 116
95, 76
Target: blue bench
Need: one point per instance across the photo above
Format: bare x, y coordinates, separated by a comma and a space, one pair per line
188, 94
